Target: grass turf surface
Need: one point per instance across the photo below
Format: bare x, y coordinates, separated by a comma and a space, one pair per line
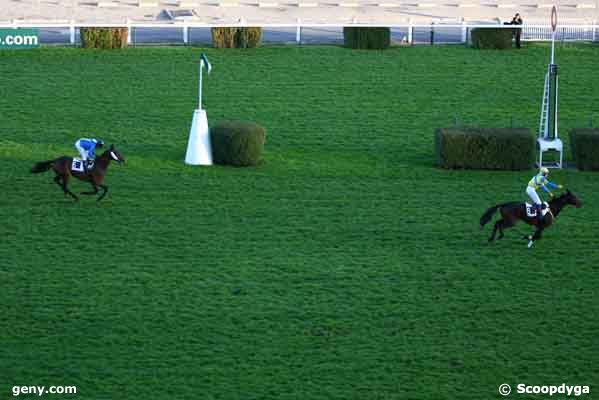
346, 266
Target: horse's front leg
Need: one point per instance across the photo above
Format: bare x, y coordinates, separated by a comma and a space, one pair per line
94, 186
105, 190
536, 236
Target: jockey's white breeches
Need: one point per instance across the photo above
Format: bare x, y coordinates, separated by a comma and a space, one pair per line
82, 151
532, 193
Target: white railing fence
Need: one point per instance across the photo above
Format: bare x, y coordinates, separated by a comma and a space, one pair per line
302, 33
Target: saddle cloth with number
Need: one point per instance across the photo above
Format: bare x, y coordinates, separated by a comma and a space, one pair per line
77, 165
531, 210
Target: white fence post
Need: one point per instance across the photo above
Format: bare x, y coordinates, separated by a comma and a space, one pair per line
298, 32
72, 32
464, 32
128, 31
411, 33
14, 24
185, 34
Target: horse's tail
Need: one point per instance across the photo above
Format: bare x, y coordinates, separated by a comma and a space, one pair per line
488, 215
41, 166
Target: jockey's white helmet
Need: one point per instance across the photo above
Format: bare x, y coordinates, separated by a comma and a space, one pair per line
545, 171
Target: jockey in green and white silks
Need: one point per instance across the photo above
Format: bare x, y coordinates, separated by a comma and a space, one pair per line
540, 181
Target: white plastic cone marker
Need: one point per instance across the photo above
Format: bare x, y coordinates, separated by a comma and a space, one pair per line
199, 150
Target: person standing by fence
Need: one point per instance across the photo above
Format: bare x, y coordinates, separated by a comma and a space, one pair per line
517, 20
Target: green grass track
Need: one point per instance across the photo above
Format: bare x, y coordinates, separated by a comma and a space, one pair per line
345, 267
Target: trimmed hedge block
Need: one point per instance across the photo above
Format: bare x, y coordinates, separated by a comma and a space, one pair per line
237, 143
485, 148
239, 38
367, 38
585, 148
492, 38
103, 38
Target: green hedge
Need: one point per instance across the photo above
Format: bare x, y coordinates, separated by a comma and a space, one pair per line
492, 38
367, 38
240, 38
485, 148
103, 38
237, 143
585, 148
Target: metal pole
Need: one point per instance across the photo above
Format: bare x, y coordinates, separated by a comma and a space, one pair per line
200, 86
552, 114
298, 32
553, 48
555, 107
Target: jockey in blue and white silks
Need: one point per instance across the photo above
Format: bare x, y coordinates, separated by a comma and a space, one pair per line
86, 148
537, 182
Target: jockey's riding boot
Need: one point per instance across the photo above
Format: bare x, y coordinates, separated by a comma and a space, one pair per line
539, 213
84, 163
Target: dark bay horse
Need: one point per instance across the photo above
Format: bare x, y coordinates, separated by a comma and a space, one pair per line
512, 212
63, 170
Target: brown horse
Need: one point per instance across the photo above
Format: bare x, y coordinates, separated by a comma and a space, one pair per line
63, 170
512, 212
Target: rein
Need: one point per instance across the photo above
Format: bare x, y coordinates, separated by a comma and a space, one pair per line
559, 204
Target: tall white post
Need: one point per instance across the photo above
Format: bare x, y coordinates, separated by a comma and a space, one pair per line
128, 31
72, 32
548, 139
298, 32
199, 148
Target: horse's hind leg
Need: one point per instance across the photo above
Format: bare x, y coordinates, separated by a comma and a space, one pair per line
500, 225
105, 190
505, 223
495, 227
65, 188
58, 182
